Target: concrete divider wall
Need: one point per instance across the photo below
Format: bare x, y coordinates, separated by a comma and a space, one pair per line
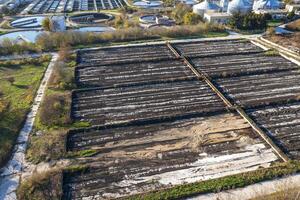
238, 109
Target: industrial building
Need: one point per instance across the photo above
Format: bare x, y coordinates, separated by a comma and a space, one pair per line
219, 11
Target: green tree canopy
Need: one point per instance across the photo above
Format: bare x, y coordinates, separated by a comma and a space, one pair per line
191, 18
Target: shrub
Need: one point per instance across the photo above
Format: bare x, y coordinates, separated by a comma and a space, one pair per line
248, 21
62, 77
179, 12
8, 47
55, 110
64, 53
56, 40
46, 24
41, 186
49, 145
191, 18
271, 31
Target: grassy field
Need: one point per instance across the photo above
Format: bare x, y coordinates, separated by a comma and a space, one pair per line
19, 81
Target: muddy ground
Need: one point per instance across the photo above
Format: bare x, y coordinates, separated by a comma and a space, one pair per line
156, 125
161, 156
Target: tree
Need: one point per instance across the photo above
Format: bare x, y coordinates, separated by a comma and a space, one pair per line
169, 3
179, 12
248, 21
46, 24
191, 18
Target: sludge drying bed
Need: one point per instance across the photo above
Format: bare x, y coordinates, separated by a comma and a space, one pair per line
157, 125
137, 159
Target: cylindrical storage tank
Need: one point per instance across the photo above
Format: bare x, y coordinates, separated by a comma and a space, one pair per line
241, 6
205, 6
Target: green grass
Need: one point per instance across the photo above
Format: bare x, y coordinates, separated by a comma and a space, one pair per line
224, 183
274, 23
16, 99
271, 52
82, 153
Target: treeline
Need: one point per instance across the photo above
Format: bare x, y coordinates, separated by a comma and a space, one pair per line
249, 21
8, 47
52, 41
55, 40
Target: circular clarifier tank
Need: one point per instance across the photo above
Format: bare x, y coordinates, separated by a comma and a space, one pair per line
28, 22
90, 18
148, 19
148, 4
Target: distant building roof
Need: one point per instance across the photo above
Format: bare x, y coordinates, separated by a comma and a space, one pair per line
266, 4
206, 5
241, 6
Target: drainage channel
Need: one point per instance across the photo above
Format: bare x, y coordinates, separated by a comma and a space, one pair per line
237, 108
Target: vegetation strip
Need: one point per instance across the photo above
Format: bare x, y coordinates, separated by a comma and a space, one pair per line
225, 183
18, 85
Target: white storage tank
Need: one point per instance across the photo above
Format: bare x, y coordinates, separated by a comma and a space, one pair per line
241, 6
205, 6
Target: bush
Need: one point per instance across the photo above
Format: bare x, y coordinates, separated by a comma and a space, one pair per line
55, 110
7, 47
191, 18
64, 53
271, 31
187, 31
62, 77
46, 24
56, 40
249, 21
47, 146
41, 186
179, 12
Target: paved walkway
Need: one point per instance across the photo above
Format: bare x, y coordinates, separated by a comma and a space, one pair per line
10, 175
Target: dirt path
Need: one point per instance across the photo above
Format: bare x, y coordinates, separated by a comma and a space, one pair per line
12, 172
